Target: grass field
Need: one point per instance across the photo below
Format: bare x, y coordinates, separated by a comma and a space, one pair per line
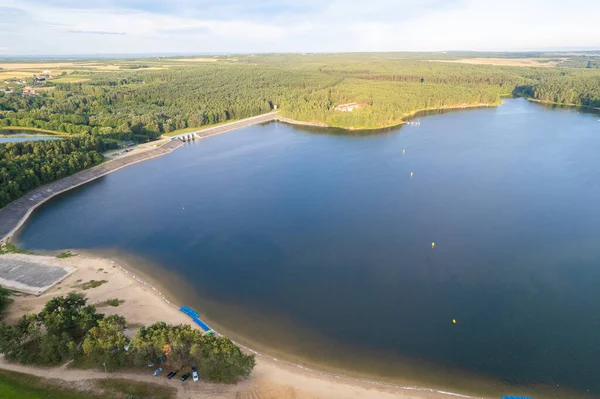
14, 74
70, 79
21, 386
24, 386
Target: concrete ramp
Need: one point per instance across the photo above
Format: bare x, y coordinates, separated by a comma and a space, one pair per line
31, 274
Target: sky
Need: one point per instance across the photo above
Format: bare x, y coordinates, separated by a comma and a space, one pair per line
63, 27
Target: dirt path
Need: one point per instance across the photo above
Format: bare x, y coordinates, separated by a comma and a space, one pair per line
185, 390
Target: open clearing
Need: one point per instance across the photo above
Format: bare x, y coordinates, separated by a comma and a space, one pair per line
15, 74
526, 62
70, 79
12, 66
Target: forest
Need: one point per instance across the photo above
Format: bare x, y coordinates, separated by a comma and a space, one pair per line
142, 103
27, 165
68, 328
580, 91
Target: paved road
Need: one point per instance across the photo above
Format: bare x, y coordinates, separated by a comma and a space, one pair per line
233, 125
14, 214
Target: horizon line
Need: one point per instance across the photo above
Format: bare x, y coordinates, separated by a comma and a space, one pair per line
192, 53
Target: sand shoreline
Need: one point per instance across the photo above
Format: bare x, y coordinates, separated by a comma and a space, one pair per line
145, 304
145, 279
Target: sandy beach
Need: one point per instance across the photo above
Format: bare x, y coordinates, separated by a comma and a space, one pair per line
143, 304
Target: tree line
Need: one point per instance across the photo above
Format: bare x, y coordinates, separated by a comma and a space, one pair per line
140, 105
581, 91
68, 328
27, 165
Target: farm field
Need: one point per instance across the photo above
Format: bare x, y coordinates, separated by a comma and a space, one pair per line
22, 69
518, 62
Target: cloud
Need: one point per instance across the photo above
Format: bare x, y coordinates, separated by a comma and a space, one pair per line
204, 26
11, 17
96, 32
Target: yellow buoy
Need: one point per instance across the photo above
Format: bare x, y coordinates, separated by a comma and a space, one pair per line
403, 151
453, 321
411, 174
432, 245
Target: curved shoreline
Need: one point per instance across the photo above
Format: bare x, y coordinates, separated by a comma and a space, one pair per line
145, 301
15, 214
301, 123
48, 192
587, 107
42, 194
401, 122
265, 356
36, 130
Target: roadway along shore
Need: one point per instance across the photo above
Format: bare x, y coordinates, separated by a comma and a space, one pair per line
227, 127
15, 214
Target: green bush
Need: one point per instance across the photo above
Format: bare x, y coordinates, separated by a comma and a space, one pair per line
66, 254
91, 284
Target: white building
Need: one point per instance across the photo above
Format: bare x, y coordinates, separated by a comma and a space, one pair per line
349, 107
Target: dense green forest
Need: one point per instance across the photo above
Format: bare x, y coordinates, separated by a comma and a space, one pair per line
27, 165
582, 91
141, 104
67, 328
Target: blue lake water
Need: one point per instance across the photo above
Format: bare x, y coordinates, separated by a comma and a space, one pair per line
318, 246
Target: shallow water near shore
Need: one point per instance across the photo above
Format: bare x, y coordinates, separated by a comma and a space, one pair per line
16, 135
319, 246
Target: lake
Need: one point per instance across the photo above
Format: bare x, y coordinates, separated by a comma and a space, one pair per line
16, 135
318, 247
